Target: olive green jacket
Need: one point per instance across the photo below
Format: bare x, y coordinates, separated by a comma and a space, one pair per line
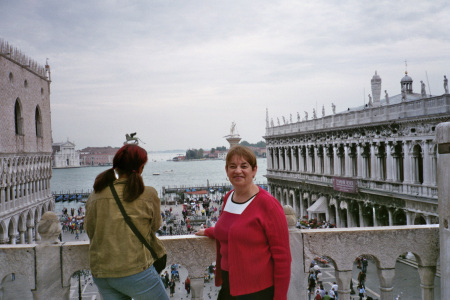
114, 249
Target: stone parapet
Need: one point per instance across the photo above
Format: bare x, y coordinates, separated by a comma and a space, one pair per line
48, 267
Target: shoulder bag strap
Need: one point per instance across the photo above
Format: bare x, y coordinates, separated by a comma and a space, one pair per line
130, 223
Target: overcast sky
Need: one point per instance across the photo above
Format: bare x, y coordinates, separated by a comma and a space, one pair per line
180, 72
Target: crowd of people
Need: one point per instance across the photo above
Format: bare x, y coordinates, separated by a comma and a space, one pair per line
315, 285
73, 223
306, 223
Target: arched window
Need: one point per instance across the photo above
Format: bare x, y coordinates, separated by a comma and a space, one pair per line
38, 121
18, 119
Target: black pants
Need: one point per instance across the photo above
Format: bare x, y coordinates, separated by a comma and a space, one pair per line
224, 293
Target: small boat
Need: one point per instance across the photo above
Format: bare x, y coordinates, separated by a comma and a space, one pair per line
156, 174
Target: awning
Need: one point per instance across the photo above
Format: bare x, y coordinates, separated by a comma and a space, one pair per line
320, 206
344, 205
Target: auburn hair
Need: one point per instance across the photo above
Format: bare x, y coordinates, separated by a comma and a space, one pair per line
241, 151
128, 160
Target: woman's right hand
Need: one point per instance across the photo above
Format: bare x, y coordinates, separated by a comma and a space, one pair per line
201, 232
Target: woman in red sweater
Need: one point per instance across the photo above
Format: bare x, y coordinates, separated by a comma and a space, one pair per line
252, 240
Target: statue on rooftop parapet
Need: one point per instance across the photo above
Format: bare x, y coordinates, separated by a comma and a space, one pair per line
370, 101
445, 84
323, 111
314, 114
333, 108
278, 120
298, 117
403, 93
423, 91
291, 118
386, 96
271, 122
306, 116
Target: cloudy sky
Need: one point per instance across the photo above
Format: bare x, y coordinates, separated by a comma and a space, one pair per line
180, 72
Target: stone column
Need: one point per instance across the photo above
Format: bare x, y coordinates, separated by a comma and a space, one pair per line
302, 207
301, 161
374, 215
427, 164
427, 281
409, 217
407, 163
338, 218
269, 158
391, 219
343, 278
2, 199
30, 235
12, 239
389, 162
337, 167
361, 217
349, 216
294, 158
373, 162
298, 282
317, 159
359, 161
275, 158
22, 237
308, 159
48, 275
197, 288
443, 174
386, 277
348, 162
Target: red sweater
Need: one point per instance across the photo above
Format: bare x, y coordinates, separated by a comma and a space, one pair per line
259, 254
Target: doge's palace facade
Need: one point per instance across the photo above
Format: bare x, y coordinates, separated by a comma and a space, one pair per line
25, 145
373, 165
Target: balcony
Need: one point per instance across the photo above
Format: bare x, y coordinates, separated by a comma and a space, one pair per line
48, 266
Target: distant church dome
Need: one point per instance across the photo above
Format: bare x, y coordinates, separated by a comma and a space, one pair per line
406, 78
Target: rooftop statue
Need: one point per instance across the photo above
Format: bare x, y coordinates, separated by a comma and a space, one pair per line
445, 84
422, 89
291, 118
386, 96
370, 101
278, 120
271, 122
403, 93
323, 111
306, 116
333, 108
298, 117
314, 114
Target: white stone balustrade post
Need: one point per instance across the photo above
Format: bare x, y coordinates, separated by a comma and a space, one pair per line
386, 277
427, 275
343, 278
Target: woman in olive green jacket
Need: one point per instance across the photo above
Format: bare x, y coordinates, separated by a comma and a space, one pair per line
122, 267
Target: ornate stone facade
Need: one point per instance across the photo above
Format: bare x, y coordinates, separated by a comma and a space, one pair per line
373, 165
25, 145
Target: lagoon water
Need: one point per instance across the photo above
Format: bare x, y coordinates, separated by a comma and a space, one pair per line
181, 173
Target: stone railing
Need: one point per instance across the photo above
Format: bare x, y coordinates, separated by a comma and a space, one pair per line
422, 107
49, 265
